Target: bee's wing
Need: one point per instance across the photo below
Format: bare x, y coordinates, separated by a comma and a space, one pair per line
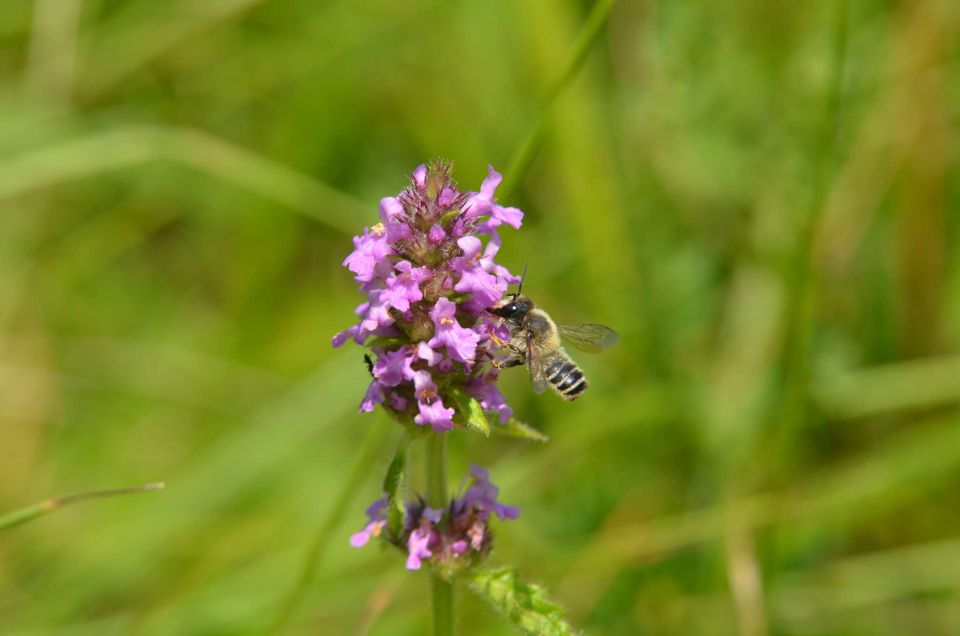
589, 337
535, 362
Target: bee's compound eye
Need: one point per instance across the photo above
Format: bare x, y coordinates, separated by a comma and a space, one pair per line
505, 311
510, 311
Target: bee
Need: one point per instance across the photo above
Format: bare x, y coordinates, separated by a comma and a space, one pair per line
535, 340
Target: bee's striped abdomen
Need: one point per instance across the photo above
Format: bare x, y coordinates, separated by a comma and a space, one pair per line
566, 378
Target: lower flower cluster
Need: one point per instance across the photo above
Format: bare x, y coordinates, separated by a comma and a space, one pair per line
447, 537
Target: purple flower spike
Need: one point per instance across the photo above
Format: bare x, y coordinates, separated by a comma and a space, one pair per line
442, 536
428, 273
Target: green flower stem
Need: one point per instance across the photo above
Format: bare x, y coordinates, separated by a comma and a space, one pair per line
437, 497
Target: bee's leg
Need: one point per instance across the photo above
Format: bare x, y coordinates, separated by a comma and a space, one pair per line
515, 359
369, 362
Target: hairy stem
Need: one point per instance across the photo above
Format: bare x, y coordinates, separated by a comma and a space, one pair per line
437, 498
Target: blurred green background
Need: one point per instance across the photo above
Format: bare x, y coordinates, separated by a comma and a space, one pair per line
761, 197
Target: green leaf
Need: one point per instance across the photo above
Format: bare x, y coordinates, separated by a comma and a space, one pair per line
525, 605
516, 428
393, 488
471, 413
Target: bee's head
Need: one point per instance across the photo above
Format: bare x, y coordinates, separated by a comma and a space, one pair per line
514, 309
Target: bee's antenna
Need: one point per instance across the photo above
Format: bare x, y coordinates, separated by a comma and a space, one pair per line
522, 276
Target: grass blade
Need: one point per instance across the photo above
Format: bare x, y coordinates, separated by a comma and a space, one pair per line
29, 513
369, 449
524, 154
